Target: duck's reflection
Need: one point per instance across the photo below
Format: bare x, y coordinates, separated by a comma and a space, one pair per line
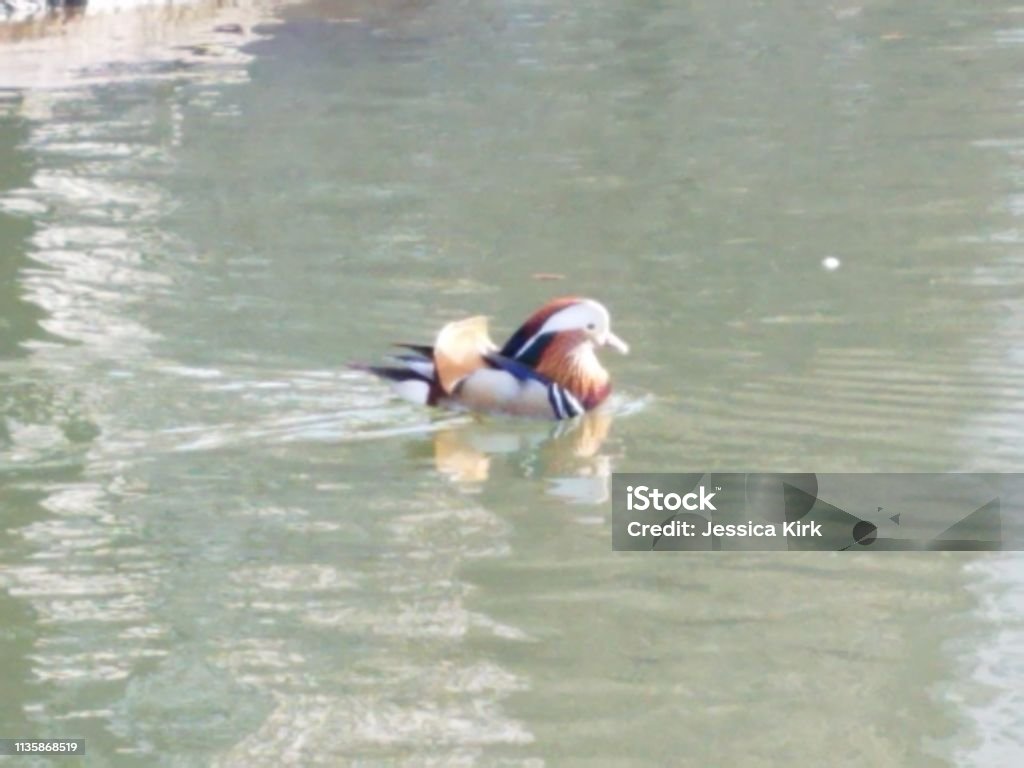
567, 456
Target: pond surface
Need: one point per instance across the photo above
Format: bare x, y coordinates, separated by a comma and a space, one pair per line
221, 546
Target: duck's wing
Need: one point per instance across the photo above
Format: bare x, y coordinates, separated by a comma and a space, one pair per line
459, 350
519, 370
428, 374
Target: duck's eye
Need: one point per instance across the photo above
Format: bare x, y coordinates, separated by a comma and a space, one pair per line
591, 326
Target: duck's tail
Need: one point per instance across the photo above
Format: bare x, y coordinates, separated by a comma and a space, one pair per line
414, 378
428, 375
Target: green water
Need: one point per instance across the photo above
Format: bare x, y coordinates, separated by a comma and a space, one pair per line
220, 546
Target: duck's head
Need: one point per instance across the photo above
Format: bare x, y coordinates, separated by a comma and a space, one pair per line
576, 320
589, 317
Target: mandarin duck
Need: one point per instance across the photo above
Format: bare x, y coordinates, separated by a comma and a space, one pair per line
547, 369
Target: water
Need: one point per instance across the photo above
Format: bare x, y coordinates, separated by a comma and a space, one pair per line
220, 546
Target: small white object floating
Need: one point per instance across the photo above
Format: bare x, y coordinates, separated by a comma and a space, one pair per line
831, 263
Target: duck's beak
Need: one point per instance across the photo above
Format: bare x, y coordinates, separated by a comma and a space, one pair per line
611, 340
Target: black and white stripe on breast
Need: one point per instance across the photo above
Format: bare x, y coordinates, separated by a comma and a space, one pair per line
563, 403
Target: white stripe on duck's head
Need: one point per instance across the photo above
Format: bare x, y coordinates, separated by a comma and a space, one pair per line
546, 369
587, 320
